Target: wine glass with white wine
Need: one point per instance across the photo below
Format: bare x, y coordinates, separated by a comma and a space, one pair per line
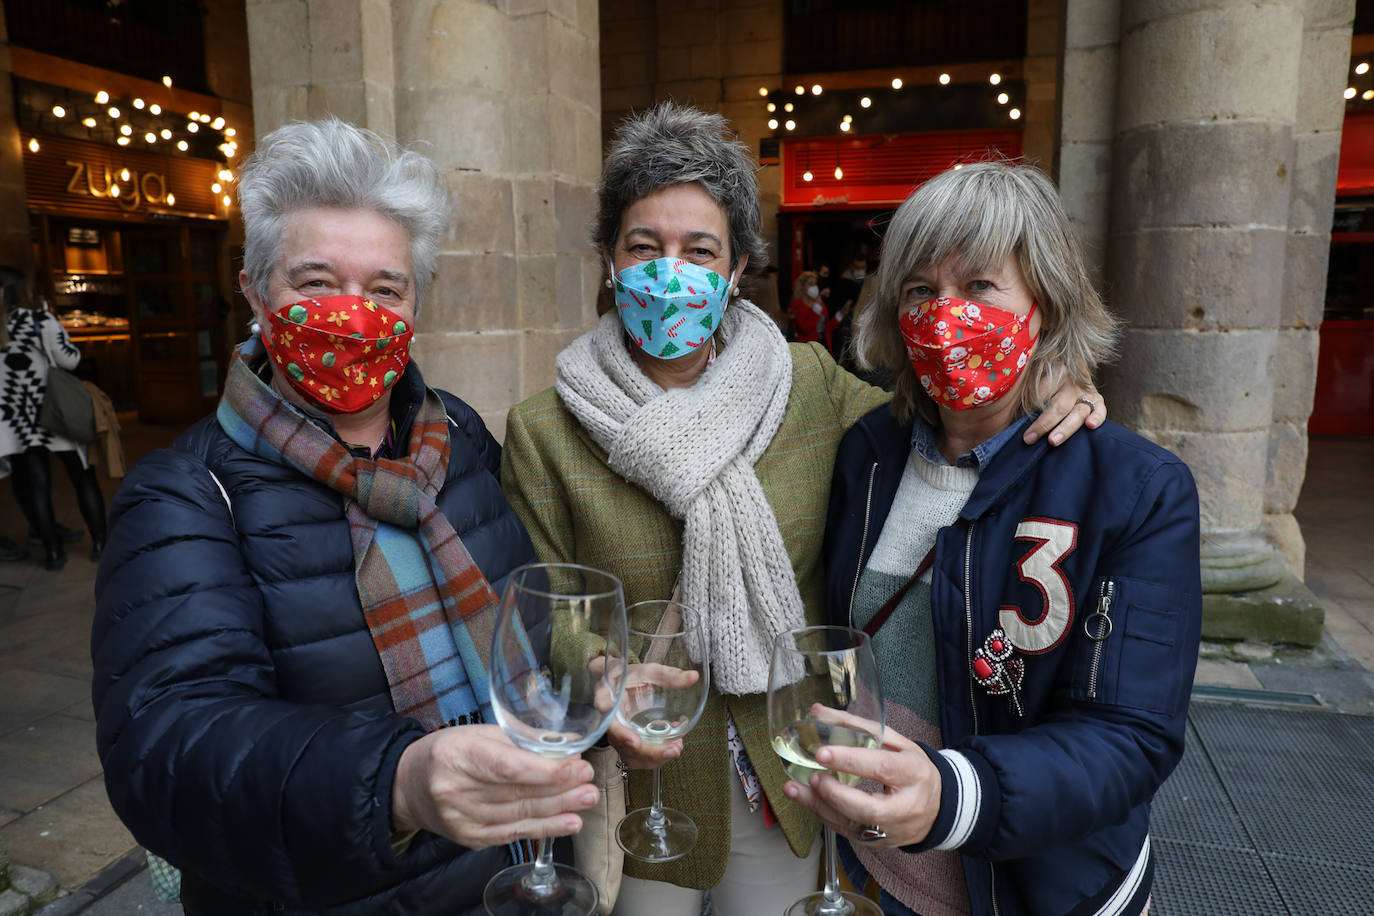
823, 689
666, 685
557, 672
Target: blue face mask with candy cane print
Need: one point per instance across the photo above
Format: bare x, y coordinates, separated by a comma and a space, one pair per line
670, 307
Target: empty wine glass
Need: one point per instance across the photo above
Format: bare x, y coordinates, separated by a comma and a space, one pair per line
557, 672
666, 685
823, 689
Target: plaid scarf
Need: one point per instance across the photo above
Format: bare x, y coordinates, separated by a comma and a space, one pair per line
430, 609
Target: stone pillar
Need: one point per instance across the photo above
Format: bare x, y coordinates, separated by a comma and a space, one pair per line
1203, 163
15, 248
1044, 45
1087, 120
1317, 143
506, 99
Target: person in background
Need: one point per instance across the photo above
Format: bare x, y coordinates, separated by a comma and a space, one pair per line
811, 323
298, 595
825, 282
1035, 612
38, 341
685, 441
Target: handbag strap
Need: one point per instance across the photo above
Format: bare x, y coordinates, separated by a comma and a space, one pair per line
670, 622
884, 612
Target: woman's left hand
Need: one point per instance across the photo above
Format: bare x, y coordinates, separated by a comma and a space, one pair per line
1071, 408
906, 808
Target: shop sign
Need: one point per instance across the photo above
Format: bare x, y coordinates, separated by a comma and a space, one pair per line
127, 192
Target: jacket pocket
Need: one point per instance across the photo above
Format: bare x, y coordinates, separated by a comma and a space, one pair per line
1128, 648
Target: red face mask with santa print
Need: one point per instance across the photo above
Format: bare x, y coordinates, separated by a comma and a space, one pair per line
341, 352
966, 354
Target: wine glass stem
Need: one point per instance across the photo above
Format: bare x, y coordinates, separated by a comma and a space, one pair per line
542, 880
834, 903
656, 821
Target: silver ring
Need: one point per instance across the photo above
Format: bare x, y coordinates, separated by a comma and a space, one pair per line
871, 833
1089, 401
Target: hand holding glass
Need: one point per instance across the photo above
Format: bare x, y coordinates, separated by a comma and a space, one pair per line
557, 673
823, 690
665, 691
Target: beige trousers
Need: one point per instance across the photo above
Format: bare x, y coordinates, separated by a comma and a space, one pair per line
762, 877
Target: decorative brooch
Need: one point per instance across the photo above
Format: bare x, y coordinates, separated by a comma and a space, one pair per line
997, 672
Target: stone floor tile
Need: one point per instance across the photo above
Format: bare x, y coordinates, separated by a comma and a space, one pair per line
43, 760
1216, 672
29, 696
72, 838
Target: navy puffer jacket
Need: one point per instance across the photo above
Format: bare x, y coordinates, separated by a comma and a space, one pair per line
244, 721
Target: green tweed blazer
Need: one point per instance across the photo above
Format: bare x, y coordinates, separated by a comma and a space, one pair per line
578, 510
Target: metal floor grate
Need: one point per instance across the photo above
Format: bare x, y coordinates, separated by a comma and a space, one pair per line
1267, 813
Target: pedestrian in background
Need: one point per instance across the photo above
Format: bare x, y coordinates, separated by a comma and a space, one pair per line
811, 322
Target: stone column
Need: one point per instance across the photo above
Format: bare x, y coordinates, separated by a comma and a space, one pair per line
15, 248
1317, 143
506, 99
1203, 164
1044, 38
1087, 120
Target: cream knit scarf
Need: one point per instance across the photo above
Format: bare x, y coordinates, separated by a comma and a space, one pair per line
693, 449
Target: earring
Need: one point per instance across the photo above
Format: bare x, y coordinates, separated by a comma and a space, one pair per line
608, 283
255, 328
734, 291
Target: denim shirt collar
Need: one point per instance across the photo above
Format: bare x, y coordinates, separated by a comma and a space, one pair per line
923, 441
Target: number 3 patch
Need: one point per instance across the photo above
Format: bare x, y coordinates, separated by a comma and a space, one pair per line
1054, 540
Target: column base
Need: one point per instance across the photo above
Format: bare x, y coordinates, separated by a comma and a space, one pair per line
1286, 612
1239, 561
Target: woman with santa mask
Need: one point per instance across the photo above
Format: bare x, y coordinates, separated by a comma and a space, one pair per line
1035, 612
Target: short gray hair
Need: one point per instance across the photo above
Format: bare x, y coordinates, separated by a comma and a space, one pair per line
673, 144
329, 163
978, 216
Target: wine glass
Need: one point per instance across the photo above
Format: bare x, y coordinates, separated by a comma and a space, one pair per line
557, 672
823, 689
665, 691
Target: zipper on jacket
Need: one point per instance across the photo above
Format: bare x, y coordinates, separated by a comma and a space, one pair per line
863, 542
968, 620
1098, 626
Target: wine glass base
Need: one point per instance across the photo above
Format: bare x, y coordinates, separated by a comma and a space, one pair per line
848, 905
676, 837
509, 893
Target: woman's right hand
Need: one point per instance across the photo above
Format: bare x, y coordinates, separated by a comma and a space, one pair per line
638, 754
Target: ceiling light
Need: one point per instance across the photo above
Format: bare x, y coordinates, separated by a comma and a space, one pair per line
807, 176
839, 173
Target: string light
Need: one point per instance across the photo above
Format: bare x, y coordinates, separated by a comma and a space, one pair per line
126, 130
217, 187
800, 90
230, 132
102, 97
138, 103
1003, 98
816, 89
183, 145
150, 137
944, 79
1361, 68
205, 119
995, 78
33, 144
114, 112
772, 123
897, 83
123, 174
839, 172
787, 107
226, 175
772, 106
1349, 92
59, 112
865, 102
171, 199
1014, 114
155, 108
1367, 94
790, 125
89, 122
807, 176
192, 127
166, 134
122, 141
219, 123
226, 200
193, 116
844, 126
763, 92
114, 190
167, 81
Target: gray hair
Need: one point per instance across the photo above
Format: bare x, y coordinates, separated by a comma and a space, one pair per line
673, 144
978, 216
329, 163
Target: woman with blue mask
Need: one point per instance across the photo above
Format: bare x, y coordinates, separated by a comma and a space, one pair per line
685, 443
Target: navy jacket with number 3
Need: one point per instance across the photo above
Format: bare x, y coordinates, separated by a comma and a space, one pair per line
1050, 809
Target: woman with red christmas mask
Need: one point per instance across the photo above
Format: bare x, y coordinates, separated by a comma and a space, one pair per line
1035, 611
289, 638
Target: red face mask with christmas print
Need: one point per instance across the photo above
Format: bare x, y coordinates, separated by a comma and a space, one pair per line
341, 352
966, 354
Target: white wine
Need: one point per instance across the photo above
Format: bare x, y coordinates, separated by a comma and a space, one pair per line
798, 743
657, 725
